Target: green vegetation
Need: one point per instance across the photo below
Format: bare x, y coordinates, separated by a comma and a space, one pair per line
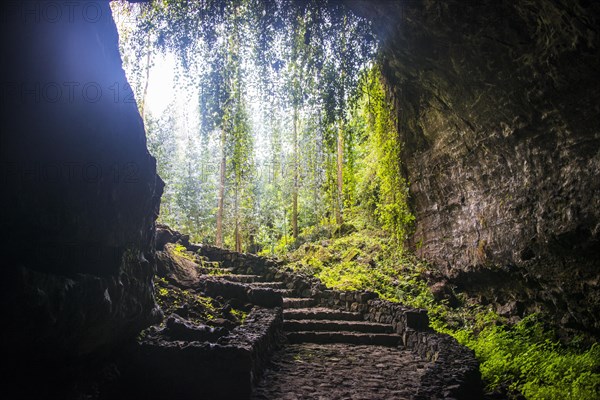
523, 358
202, 309
527, 358
379, 185
215, 271
171, 298
181, 251
346, 263
261, 140
239, 314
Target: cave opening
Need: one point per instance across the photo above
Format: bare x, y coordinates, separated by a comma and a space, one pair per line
265, 119
372, 199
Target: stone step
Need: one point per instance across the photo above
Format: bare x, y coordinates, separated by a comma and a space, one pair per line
336, 326
321, 313
216, 271
273, 285
378, 339
240, 278
210, 264
285, 293
297, 302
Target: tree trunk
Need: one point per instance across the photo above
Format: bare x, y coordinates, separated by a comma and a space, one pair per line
339, 218
295, 190
221, 198
237, 233
340, 177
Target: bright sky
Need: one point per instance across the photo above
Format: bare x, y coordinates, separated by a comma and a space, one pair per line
163, 90
161, 86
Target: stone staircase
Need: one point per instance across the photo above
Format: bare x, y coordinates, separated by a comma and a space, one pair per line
324, 325
307, 322
345, 340
257, 281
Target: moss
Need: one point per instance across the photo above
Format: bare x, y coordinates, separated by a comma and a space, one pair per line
181, 251
216, 271
171, 298
363, 260
201, 309
526, 358
240, 315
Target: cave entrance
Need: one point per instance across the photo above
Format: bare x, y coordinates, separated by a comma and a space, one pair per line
266, 118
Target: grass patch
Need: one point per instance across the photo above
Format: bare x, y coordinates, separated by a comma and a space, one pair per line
527, 358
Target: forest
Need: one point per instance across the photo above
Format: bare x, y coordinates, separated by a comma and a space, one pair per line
281, 121
281, 139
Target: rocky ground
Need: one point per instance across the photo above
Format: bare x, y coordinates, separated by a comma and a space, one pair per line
340, 371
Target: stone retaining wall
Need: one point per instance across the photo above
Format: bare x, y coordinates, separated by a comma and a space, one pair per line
241, 292
241, 263
160, 368
260, 334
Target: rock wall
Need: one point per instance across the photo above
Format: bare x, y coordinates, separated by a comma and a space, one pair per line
498, 110
80, 190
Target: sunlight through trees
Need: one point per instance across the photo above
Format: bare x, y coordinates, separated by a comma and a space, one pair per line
279, 120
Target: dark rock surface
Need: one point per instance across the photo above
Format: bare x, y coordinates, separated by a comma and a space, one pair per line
453, 373
177, 328
498, 111
80, 193
165, 235
176, 268
161, 366
264, 297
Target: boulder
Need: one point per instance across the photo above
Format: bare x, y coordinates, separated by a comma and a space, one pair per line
176, 268
178, 328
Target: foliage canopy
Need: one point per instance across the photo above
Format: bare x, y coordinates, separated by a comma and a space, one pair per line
283, 118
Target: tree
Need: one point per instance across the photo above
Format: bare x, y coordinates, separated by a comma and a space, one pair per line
300, 61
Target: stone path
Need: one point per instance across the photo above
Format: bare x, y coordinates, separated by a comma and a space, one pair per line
333, 354
331, 351
337, 355
340, 371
